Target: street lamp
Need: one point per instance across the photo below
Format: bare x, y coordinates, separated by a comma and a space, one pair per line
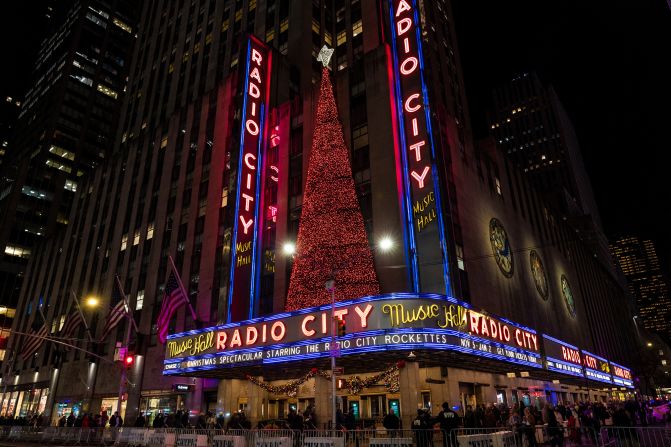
92, 301
289, 248
386, 244
649, 344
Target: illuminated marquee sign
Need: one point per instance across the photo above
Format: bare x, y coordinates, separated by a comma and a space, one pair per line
384, 322
562, 357
621, 375
596, 368
420, 192
242, 287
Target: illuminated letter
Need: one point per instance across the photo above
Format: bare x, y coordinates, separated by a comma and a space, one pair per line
340, 314
273, 331
247, 157
363, 314
324, 329
247, 224
409, 108
409, 65
252, 335
255, 75
236, 340
474, 323
252, 127
254, 91
256, 56
506, 333
420, 178
415, 127
221, 340
307, 332
418, 156
403, 25
518, 338
402, 6
276, 171
247, 200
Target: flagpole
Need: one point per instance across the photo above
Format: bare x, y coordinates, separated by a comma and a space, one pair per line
81, 314
179, 281
126, 303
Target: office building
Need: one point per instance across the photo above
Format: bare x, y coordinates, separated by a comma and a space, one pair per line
637, 259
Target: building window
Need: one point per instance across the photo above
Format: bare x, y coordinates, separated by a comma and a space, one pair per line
122, 25
357, 29
360, 137
150, 231
56, 150
498, 186
136, 237
14, 250
460, 257
59, 166
341, 37
107, 91
124, 242
139, 300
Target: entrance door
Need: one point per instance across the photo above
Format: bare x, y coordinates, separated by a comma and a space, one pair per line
354, 408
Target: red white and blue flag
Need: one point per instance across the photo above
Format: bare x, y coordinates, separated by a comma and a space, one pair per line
71, 325
35, 339
174, 297
118, 310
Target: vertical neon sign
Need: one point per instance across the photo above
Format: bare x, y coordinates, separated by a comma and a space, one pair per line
422, 213
242, 287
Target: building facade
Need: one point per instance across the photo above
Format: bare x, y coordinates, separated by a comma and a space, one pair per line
469, 229
65, 126
638, 261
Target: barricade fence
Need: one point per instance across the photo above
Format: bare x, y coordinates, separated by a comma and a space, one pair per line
522, 436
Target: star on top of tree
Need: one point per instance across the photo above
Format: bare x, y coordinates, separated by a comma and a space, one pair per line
324, 55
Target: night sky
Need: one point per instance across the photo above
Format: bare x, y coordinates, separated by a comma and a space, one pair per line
610, 64
609, 61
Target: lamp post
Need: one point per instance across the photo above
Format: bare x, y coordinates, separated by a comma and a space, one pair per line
330, 286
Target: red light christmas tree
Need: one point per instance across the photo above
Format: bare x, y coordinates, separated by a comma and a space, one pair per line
332, 242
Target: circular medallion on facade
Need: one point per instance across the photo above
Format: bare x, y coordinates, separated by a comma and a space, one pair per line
538, 273
568, 295
501, 247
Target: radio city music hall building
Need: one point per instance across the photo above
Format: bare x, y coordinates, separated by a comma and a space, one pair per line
234, 145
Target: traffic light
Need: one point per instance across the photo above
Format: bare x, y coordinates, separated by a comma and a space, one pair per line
129, 359
342, 329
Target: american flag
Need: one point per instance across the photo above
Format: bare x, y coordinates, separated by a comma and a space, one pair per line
173, 298
72, 323
117, 312
34, 340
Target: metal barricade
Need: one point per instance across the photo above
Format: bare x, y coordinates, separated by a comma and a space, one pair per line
635, 436
4, 431
322, 438
271, 438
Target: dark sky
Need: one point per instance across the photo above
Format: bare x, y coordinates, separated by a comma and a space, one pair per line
610, 63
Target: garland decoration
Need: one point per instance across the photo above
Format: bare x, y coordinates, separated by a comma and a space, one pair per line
390, 378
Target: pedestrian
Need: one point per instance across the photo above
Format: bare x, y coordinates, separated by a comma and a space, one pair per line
392, 423
529, 421
449, 422
420, 428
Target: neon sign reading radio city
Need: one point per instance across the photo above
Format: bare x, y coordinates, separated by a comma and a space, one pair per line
245, 252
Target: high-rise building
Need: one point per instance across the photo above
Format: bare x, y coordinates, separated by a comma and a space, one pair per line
209, 167
532, 127
65, 127
638, 261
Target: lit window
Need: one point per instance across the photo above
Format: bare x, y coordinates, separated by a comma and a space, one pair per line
357, 28
124, 242
238, 15
150, 231
139, 301
252, 4
83, 80
328, 38
224, 26
108, 91
14, 250
70, 185
95, 19
498, 186
284, 25
224, 197
315, 26
62, 322
62, 152
58, 165
341, 38
136, 237
122, 25
270, 35
164, 142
